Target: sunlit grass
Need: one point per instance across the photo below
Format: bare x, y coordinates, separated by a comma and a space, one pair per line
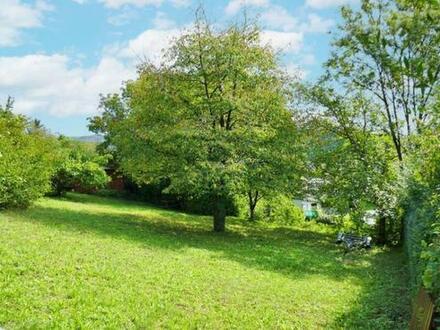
90, 262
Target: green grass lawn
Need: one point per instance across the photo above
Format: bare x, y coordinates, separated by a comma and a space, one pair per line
90, 262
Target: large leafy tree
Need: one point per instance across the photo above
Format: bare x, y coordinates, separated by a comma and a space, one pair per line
212, 119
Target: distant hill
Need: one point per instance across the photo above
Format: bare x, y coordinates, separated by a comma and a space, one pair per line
89, 138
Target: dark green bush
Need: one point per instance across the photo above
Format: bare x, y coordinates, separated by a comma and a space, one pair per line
157, 194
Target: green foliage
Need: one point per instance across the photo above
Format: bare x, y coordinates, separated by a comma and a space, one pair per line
155, 193
352, 168
378, 93
353, 223
27, 154
427, 184
204, 205
327, 218
422, 216
377, 108
418, 220
431, 257
279, 209
88, 262
388, 51
212, 119
79, 168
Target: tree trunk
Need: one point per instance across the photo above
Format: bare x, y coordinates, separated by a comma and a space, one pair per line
219, 213
58, 189
382, 231
402, 231
251, 213
252, 205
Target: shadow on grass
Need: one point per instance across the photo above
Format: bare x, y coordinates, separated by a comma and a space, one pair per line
292, 252
384, 302
295, 253
123, 204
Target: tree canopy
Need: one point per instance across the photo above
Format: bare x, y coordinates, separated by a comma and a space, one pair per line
213, 118
388, 52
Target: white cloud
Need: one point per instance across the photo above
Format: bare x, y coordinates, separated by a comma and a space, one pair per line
317, 24
138, 3
234, 6
16, 15
125, 16
287, 42
295, 71
162, 22
47, 83
321, 4
59, 85
115, 4
279, 18
149, 45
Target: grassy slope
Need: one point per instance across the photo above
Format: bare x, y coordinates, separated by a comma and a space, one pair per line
92, 262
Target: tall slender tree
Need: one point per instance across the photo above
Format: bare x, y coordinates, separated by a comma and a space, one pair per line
381, 81
389, 51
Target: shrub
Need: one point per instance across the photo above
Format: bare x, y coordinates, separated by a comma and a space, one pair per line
203, 205
157, 193
80, 168
354, 223
327, 219
279, 209
26, 160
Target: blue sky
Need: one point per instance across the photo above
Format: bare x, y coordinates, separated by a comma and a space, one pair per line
57, 56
